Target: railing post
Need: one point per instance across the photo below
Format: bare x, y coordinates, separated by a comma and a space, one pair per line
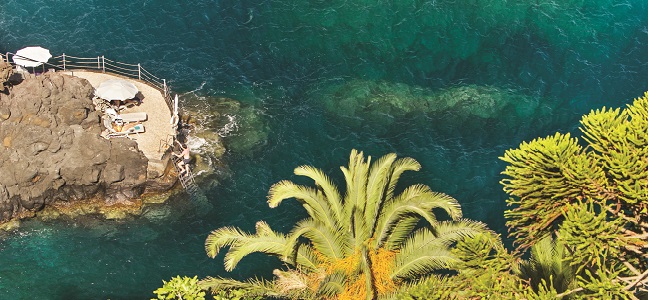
175, 105
103, 63
139, 72
63, 61
165, 88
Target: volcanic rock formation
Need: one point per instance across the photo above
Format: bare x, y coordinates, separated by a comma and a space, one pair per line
52, 152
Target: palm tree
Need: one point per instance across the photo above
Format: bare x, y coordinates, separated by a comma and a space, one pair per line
549, 265
362, 244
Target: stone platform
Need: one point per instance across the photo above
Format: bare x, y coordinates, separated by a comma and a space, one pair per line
158, 126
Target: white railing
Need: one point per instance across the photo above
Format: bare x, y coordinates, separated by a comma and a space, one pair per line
100, 63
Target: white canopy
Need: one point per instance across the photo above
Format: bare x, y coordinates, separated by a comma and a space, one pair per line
31, 56
116, 89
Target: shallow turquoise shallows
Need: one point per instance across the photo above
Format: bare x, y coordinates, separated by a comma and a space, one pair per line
452, 84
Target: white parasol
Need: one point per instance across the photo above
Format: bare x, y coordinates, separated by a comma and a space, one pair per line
116, 89
31, 56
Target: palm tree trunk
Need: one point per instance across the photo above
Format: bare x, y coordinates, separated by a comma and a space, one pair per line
372, 293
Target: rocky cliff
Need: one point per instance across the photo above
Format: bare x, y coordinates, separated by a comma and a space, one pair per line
51, 151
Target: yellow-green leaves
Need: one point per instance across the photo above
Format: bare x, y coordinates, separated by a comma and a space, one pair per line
539, 178
601, 129
591, 235
181, 288
546, 174
592, 199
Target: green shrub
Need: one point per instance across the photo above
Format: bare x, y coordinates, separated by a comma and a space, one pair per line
184, 288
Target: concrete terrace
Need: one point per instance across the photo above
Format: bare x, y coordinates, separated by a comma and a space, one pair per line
157, 127
159, 133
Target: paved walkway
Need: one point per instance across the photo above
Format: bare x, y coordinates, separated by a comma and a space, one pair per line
157, 128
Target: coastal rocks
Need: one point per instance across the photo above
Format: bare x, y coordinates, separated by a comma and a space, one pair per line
201, 123
51, 152
5, 73
221, 117
243, 125
217, 122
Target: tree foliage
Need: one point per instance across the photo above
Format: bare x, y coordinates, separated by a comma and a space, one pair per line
487, 271
181, 288
579, 209
362, 244
548, 265
592, 198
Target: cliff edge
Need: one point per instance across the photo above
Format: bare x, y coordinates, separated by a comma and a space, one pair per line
51, 151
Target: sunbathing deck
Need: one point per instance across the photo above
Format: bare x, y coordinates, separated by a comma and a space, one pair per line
157, 126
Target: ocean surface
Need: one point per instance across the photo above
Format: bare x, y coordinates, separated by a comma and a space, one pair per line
452, 84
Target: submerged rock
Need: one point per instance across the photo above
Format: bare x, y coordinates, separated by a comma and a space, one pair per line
382, 103
219, 123
52, 152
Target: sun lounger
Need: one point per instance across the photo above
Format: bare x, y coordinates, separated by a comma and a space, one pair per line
136, 129
126, 129
134, 117
127, 117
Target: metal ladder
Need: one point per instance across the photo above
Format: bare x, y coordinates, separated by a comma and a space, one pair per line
187, 178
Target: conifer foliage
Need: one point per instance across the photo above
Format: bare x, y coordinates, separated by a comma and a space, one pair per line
593, 198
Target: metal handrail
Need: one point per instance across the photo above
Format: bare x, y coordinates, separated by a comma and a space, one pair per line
100, 63
135, 71
167, 142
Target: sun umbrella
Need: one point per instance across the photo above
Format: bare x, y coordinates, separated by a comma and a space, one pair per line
32, 56
116, 89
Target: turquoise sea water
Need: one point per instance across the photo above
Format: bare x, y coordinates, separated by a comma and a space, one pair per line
523, 69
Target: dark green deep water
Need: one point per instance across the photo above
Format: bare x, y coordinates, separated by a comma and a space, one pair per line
529, 68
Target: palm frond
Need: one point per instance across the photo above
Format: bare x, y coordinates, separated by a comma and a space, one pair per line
356, 180
386, 234
401, 165
314, 202
290, 281
306, 258
377, 184
223, 237
416, 200
434, 199
426, 261
446, 235
241, 244
548, 263
450, 232
265, 241
301, 255
399, 231
331, 193
328, 241
332, 285
423, 238
360, 229
425, 251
